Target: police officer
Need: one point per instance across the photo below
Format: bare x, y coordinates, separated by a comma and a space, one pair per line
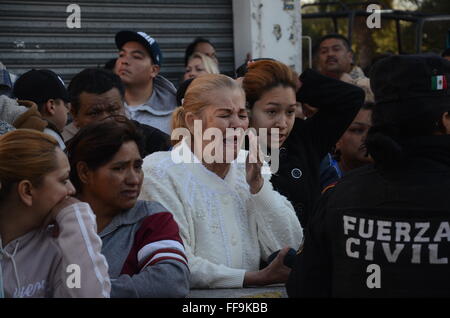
383, 231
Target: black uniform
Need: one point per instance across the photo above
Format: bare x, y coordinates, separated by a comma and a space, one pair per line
382, 233
310, 140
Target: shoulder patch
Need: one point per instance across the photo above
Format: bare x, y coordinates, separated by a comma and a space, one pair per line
328, 187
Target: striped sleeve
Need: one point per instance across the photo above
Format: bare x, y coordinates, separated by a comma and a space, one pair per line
80, 245
157, 239
154, 252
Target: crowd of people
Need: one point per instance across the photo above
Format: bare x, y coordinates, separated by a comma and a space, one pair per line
267, 177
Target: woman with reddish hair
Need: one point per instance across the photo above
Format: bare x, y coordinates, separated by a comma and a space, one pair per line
272, 96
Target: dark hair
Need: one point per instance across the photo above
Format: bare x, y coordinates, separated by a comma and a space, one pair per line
446, 52
95, 81
181, 91
368, 106
393, 128
191, 48
97, 143
333, 36
110, 64
336, 153
243, 69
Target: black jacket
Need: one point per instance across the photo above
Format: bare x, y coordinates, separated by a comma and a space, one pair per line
154, 139
310, 140
397, 219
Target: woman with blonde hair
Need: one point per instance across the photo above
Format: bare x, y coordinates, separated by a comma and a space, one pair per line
36, 259
229, 216
200, 64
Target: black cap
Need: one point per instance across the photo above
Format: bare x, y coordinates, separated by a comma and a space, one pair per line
39, 86
408, 78
143, 38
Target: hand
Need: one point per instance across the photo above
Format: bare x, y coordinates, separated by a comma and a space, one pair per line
67, 201
345, 77
253, 165
276, 272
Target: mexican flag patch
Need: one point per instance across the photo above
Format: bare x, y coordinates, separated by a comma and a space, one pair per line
438, 83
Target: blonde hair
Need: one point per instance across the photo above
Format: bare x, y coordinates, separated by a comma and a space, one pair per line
200, 94
25, 154
208, 63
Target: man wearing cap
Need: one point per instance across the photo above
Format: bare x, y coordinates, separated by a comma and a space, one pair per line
384, 230
149, 97
48, 91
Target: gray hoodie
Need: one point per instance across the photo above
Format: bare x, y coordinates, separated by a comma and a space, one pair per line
10, 110
157, 111
38, 264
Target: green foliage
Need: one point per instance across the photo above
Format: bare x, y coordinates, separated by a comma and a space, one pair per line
378, 41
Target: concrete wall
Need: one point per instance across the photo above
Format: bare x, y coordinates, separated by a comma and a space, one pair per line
268, 28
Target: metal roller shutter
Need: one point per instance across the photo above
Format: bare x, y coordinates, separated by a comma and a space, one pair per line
35, 35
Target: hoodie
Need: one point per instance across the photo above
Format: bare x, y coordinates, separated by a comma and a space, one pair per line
38, 264
21, 114
157, 111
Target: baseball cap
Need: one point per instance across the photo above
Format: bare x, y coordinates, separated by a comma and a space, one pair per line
39, 86
410, 77
143, 38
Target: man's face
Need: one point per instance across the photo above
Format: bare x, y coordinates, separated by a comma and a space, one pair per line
351, 144
96, 107
334, 57
61, 110
134, 65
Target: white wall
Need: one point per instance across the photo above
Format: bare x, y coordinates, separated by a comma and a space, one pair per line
268, 28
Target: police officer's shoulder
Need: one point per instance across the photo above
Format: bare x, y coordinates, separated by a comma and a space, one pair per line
353, 177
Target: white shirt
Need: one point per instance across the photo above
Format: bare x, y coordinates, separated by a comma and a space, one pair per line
225, 229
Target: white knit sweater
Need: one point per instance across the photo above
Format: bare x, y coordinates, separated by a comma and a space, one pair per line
226, 230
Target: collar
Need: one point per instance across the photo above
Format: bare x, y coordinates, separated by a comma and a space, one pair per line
162, 102
182, 154
131, 216
436, 148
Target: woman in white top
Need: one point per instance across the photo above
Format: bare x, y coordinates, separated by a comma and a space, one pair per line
230, 217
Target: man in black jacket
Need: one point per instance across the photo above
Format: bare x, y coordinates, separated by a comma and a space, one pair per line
98, 93
384, 231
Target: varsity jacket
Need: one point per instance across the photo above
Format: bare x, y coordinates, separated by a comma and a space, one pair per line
38, 264
157, 111
145, 253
